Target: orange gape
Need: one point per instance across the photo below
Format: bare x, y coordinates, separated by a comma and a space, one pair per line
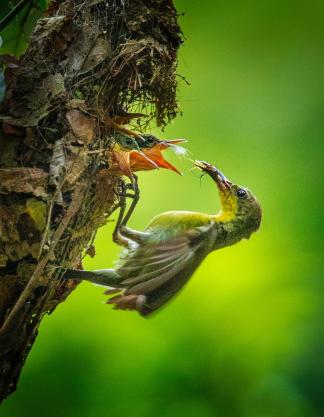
144, 154
130, 155
154, 153
120, 162
124, 148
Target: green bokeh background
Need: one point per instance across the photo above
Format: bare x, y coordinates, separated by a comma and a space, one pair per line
245, 337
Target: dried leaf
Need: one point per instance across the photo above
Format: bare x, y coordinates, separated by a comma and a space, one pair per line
23, 180
91, 251
82, 126
76, 103
77, 164
8, 223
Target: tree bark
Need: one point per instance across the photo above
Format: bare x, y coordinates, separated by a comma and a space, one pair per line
87, 62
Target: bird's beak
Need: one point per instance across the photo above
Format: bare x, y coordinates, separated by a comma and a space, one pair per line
124, 159
153, 155
228, 201
159, 158
164, 144
156, 153
222, 182
163, 163
149, 161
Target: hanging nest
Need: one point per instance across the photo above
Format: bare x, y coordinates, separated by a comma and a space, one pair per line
131, 63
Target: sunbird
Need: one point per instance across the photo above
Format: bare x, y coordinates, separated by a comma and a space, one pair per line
125, 148
130, 155
152, 147
157, 262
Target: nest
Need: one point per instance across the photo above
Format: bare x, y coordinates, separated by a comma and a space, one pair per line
86, 62
131, 63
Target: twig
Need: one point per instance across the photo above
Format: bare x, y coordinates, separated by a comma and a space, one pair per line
49, 217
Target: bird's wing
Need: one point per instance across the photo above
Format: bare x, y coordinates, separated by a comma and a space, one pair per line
155, 272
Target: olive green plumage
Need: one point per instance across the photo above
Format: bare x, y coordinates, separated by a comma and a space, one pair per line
126, 142
159, 261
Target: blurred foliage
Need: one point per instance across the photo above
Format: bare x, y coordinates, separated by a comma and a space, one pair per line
19, 29
19, 19
245, 338
2, 80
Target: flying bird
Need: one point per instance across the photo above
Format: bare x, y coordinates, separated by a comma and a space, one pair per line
157, 262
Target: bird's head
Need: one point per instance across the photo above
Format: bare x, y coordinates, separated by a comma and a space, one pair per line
126, 143
237, 203
151, 141
125, 148
153, 147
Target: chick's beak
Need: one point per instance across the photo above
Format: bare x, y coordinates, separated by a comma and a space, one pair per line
139, 160
222, 182
164, 144
156, 153
123, 161
163, 163
147, 160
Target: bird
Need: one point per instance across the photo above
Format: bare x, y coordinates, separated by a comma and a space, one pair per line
152, 147
157, 262
125, 148
130, 155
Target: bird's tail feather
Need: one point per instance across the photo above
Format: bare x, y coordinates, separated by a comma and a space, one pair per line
106, 277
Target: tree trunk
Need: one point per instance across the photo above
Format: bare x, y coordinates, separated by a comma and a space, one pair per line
87, 62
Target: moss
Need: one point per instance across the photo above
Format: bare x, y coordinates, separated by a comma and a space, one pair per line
25, 269
3, 260
37, 211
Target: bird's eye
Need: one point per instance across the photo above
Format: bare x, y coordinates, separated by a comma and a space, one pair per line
241, 193
129, 141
